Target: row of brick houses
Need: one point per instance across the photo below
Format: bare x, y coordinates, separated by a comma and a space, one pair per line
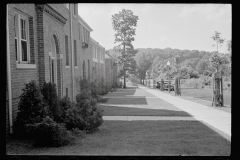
111, 70
49, 43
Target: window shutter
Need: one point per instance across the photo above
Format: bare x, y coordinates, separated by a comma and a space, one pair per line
66, 48
31, 38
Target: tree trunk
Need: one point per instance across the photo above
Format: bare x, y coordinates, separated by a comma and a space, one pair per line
124, 85
222, 90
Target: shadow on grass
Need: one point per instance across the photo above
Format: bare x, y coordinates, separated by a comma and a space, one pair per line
129, 111
130, 101
126, 91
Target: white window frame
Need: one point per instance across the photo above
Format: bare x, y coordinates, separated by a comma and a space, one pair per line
79, 29
19, 62
74, 10
82, 34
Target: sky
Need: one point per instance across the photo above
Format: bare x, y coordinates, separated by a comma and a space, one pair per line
178, 26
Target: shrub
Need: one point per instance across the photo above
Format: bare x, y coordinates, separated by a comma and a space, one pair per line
49, 93
86, 115
31, 109
78, 133
73, 118
50, 133
120, 84
207, 81
65, 104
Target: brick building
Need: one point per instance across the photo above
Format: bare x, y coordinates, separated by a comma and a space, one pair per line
45, 43
111, 69
98, 60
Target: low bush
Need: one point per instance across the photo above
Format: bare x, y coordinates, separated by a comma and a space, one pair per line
49, 93
90, 113
120, 84
95, 88
31, 109
50, 133
78, 133
65, 104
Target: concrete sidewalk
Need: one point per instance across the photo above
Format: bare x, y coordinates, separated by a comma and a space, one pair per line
148, 118
215, 118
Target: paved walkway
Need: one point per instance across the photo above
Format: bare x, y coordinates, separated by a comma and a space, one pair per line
148, 118
218, 119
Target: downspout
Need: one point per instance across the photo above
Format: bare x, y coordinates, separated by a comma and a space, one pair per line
72, 51
9, 78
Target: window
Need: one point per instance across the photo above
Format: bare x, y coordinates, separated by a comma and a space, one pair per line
79, 29
16, 33
21, 38
84, 72
66, 47
67, 92
74, 9
82, 34
93, 51
75, 52
96, 52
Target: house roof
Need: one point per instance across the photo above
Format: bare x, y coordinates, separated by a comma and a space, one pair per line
108, 56
84, 23
96, 43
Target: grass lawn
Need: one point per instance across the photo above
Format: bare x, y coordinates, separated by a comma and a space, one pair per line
205, 94
139, 138
128, 111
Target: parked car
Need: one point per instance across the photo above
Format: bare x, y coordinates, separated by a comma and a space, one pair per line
165, 85
158, 84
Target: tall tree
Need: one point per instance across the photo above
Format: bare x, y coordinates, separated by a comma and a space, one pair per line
216, 37
124, 23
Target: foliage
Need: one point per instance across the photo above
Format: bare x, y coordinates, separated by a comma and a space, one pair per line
90, 112
85, 115
49, 93
155, 60
50, 133
95, 88
124, 24
65, 104
78, 133
202, 65
207, 80
216, 37
144, 61
218, 62
31, 108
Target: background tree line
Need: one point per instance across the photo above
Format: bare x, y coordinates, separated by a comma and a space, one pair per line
191, 63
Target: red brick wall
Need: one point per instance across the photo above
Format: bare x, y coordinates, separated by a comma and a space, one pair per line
20, 76
43, 27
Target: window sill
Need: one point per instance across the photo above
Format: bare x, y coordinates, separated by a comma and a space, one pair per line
67, 67
95, 60
25, 65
